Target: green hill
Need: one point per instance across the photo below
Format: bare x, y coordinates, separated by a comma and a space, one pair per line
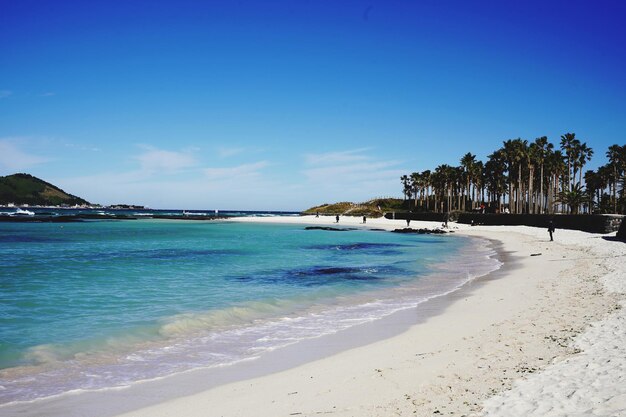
26, 189
372, 208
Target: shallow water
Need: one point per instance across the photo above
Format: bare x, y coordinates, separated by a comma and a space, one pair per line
101, 304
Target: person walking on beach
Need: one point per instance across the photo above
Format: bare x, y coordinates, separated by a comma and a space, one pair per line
408, 222
551, 230
337, 219
364, 219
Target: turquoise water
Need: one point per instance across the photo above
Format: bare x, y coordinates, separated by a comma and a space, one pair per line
100, 304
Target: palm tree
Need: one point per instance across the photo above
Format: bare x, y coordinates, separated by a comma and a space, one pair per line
617, 162
494, 177
479, 183
584, 155
567, 144
556, 169
532, 160
467, 162
415, 186
607, 180
426, 178
406, 184
594, 185
439, 180
543, 148
573, 198
520, 154
458, 185
509, 153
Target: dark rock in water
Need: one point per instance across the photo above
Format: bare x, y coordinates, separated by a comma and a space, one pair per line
358, 246
188, 217
334, 229
420, 231
328, 271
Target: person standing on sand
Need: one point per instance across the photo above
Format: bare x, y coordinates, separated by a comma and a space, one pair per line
408, 222
337, 218
364, 219
551, 230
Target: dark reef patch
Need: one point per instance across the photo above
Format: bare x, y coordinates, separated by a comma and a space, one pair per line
324, 275
332, 229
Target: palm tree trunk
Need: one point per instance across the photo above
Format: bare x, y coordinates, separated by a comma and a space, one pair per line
511, 209
519, 187
614, 189
541, 191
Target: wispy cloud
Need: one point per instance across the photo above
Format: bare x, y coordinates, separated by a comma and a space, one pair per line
340, 157
230, 187
13, 158
225, 152
236, 173
159, 160
351, 165
48, 94
5, 93
352, 174
80, 147
359, 172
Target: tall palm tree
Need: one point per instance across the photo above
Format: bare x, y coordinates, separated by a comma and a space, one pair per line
556, 170
584, 155
426, 178
406, 184
532, 160
594, 185
415, 183
467, 162
479, 183
495, 180
569, 144
614, 154
543, 148
439, 180
520, 155
458, 185
509, 153
607, 180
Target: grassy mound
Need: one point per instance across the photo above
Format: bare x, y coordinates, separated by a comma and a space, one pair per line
26, 189
372, 208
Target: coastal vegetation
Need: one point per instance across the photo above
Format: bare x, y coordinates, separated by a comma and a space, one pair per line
22, 189
522, 177
372, 208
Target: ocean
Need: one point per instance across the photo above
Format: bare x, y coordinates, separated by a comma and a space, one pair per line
94, 305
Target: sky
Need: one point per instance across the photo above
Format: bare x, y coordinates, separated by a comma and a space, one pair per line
283, 105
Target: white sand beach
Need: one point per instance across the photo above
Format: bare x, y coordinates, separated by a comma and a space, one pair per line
543, 336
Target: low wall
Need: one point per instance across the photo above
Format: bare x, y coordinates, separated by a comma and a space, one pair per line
601, 223
621, 233
425, 217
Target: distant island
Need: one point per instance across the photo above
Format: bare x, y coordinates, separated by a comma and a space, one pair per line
25, 189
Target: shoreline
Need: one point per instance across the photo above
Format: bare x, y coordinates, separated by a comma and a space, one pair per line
395, 380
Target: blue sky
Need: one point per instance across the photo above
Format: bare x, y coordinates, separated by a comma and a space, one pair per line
281, 105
